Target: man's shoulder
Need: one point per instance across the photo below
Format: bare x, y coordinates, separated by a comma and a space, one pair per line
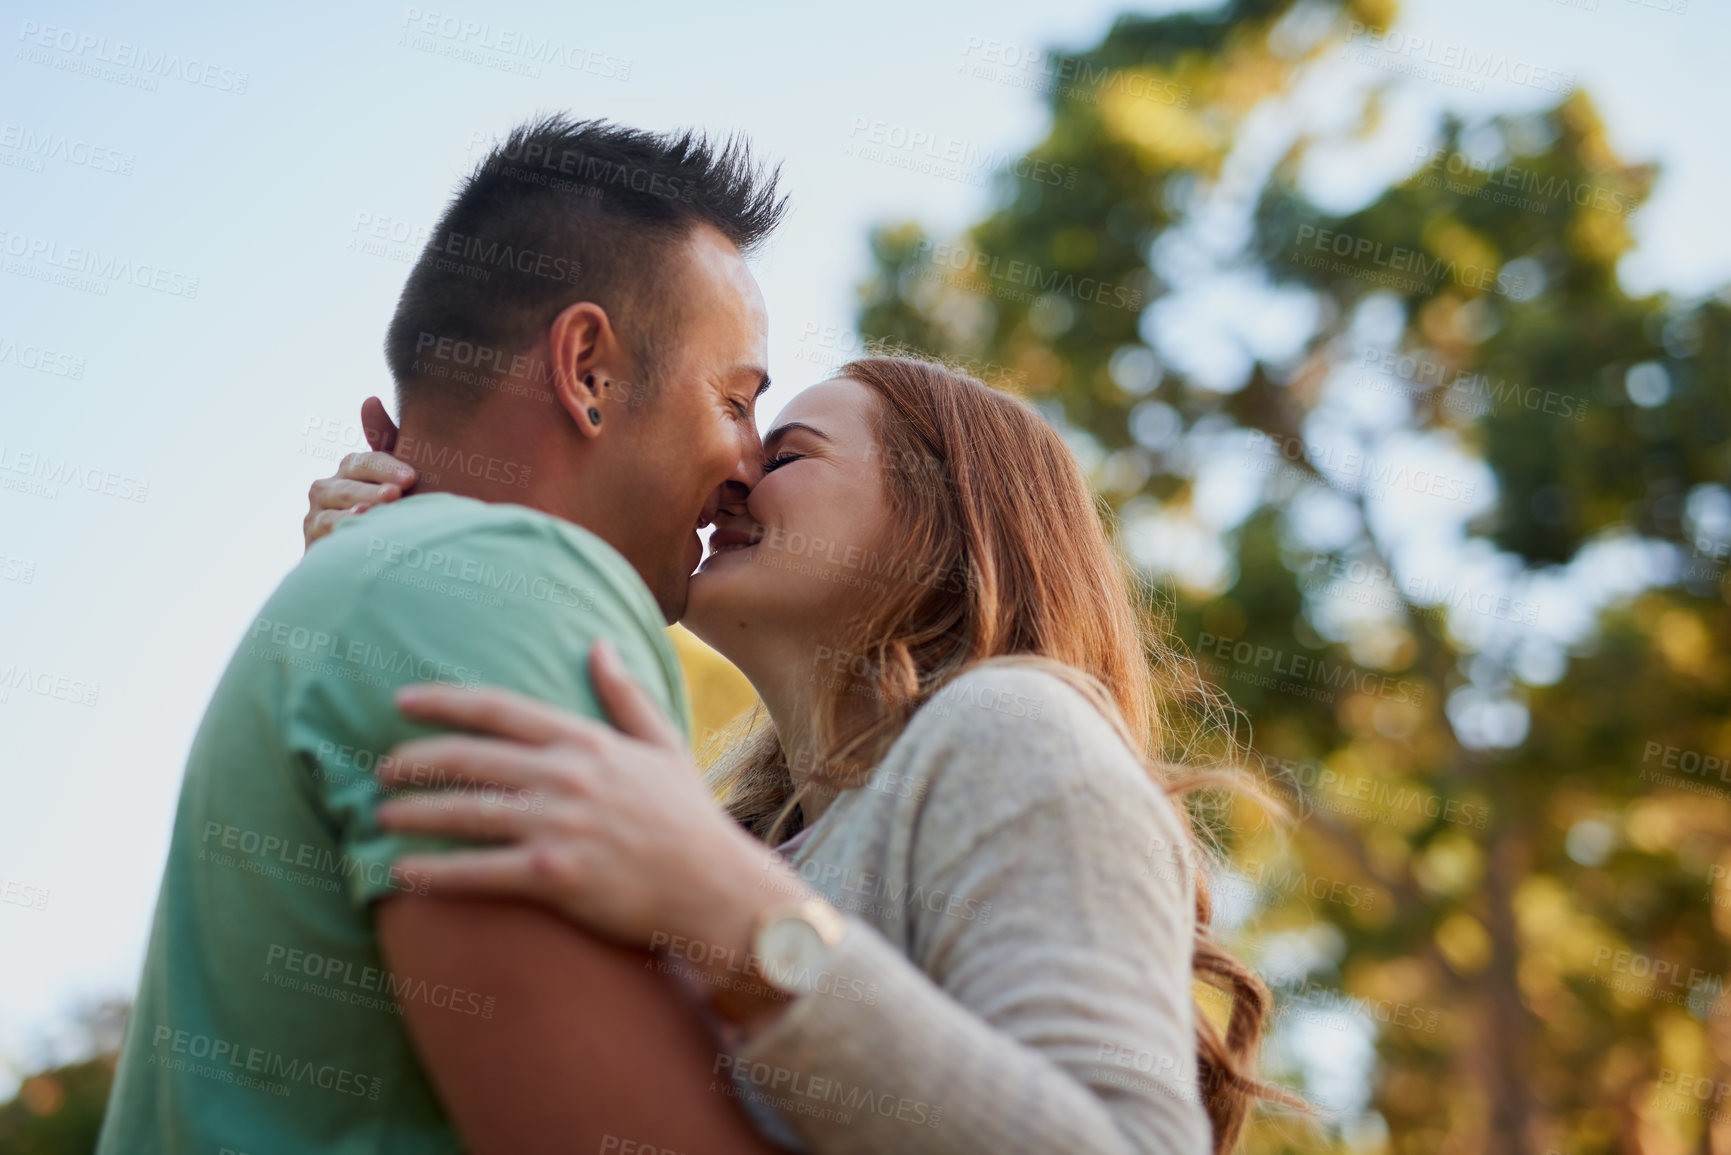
435, 521
446, 588
479, 553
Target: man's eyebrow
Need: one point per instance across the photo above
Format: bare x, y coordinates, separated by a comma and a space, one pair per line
751, 370
781, 431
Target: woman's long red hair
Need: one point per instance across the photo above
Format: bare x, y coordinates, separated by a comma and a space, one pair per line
1002, 552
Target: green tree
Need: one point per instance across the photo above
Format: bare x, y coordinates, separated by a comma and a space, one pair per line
1473, 604
58, 1110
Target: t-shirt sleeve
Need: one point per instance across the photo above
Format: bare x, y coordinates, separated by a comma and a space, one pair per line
510, 606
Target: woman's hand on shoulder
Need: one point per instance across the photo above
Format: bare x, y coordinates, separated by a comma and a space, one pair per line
362, 480
612, 827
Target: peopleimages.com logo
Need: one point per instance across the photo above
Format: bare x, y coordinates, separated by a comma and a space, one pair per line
121, 61
87, 268
35, 147
39, 359
1016, 279
1396, 266
502, 47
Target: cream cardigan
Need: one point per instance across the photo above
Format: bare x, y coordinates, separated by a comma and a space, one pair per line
1015, 975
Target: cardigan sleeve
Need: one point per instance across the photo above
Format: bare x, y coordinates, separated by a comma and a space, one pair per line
1043, 1002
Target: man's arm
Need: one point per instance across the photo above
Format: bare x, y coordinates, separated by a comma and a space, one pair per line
589, 1049
585, 1040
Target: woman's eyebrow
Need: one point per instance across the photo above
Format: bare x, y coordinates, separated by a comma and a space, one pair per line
782, 430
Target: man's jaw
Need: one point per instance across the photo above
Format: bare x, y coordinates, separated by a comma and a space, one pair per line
693, 552
705, 518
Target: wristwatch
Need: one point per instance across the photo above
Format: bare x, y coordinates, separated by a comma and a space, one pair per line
793, 942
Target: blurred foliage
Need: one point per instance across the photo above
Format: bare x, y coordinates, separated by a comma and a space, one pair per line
1501, 840
58, 1110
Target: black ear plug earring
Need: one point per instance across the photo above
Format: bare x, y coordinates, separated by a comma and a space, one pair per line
594, 413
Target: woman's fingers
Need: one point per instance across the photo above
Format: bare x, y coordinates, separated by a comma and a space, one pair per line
337, 493
462, 762
628, 704
507, 871
460, 814
361, 482
503, 713
378, 468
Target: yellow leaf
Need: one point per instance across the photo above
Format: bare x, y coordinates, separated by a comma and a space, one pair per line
1464, 943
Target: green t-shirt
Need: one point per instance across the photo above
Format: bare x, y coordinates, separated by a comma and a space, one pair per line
265, 1019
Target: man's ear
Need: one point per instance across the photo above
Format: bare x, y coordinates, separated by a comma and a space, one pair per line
585, 356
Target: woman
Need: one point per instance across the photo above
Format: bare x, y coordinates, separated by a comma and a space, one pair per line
957, 698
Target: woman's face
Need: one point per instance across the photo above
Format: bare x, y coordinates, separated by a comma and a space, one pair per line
794, 561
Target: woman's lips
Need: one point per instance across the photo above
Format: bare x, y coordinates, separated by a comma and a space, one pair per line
726, 540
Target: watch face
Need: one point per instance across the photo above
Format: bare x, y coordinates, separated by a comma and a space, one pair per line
792, 952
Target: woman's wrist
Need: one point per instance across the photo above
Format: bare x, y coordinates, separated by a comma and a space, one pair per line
721, 949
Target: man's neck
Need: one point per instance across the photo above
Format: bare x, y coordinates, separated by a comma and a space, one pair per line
467, 455
506, 452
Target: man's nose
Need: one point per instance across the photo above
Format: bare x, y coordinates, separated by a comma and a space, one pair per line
748, 470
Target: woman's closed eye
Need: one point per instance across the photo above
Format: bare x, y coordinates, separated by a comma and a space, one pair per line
780, 460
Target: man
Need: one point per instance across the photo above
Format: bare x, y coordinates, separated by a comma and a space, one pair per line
577, 355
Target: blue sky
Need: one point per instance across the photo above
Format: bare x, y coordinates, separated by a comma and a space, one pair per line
197, 417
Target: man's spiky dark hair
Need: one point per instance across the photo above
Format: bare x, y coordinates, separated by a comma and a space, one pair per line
563, 211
